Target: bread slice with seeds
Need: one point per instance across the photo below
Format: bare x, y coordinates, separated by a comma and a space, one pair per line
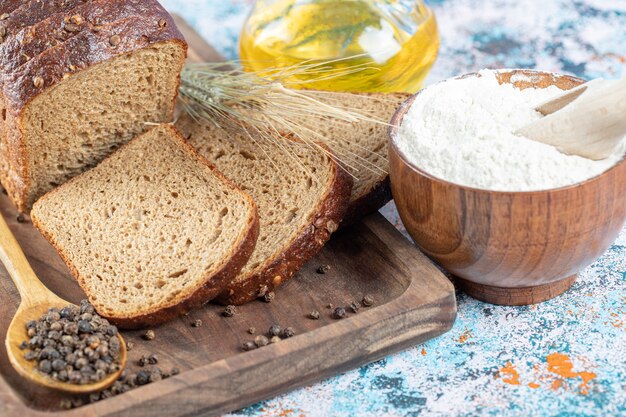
301, 193
151, 232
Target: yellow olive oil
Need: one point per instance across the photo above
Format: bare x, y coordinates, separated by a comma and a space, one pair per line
396, 44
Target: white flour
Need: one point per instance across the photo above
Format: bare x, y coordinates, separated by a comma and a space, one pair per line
461, 131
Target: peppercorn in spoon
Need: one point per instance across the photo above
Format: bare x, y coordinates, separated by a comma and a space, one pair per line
48, 333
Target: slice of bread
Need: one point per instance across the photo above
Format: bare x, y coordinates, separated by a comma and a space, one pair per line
362, 146
302, 196
151, 232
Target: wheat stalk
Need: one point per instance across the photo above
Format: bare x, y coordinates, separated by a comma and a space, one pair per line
262, 107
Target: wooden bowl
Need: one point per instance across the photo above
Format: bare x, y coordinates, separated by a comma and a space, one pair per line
509, 248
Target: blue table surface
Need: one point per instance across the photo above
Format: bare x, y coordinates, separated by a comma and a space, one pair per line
565, 357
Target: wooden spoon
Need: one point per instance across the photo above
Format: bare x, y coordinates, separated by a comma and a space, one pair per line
589, 120
36, 300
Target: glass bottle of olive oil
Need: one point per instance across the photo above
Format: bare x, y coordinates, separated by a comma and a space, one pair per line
395, 42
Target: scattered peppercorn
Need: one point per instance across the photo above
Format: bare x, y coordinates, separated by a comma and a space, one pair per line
329, 306
314, 315
129, 346
288, 332
252, 330
229, 311
339, 313
143, 361
153, 359
149, 335
275, 339
73, 344
20, 218
248, 346
274, 330
196, 323
354, 307
367, 301
261, 341
323, 269
269, 297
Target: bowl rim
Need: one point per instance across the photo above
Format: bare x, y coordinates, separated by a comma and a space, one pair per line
398, 117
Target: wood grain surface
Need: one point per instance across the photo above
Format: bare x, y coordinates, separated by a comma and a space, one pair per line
511, 248
414, 302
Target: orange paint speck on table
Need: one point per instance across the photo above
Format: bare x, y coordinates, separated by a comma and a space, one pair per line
561, 364
510, 375
423, 351
533, 385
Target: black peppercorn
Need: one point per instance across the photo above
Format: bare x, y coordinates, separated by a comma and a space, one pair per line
314, 315
367, 301
269, 297
20, 218
229, 311
196, 323
153, 359
339, 313
261, 341
45, 366
248, 346
143, 377
84, 326
323, 269
288, 332
354, 307
274, 330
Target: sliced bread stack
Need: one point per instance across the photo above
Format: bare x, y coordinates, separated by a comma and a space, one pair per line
151, 232
301, 193
79, 78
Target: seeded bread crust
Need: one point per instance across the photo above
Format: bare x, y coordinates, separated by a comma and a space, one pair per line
31, 41
31, 12
312, 238
213, 284
7, 6
48, 69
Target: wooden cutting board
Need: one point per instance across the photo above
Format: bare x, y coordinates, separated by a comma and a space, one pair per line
414, 302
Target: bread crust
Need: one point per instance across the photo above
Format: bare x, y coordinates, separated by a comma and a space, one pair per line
214, 283
89, 48
328, 215
30, 41
28, 13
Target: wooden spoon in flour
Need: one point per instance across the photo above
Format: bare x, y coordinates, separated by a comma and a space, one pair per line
589, 120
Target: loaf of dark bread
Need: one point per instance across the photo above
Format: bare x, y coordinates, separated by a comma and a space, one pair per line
80, 78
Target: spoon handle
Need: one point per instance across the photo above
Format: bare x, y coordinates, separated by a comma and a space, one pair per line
30, 288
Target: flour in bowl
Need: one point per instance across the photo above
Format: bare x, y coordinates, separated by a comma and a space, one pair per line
462, 131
